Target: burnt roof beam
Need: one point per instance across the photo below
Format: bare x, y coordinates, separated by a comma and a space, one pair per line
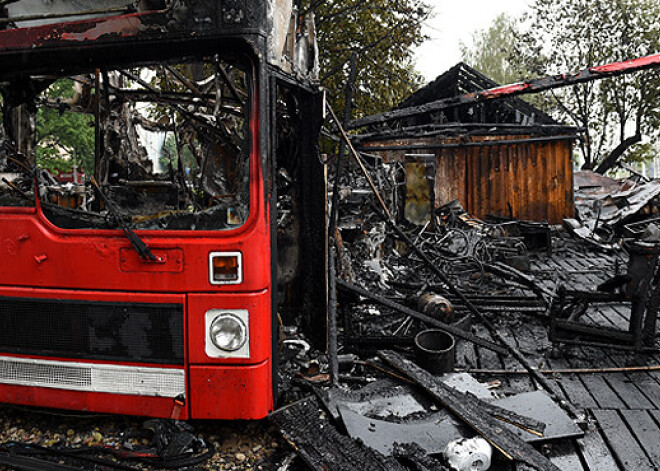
522, 88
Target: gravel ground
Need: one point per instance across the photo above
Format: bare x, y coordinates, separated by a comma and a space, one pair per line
239, 445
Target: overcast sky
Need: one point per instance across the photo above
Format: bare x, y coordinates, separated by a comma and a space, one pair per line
454, 21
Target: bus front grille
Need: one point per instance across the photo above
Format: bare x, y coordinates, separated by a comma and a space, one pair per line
130, 332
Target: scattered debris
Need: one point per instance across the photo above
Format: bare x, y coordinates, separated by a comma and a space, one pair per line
496, 284
429, 320
615, 202
308, 429
470, 411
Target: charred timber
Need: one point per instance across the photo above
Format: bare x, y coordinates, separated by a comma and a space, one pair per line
333, 236
523, 88
471, 129
470, 411
321, 446
462, 145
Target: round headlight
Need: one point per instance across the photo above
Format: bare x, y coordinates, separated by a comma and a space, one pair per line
228, 332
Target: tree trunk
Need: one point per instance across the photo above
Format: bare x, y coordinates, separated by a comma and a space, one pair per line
611, 160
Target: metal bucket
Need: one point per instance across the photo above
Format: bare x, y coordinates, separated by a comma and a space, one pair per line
434, 351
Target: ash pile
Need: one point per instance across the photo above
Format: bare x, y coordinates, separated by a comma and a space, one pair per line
457, 342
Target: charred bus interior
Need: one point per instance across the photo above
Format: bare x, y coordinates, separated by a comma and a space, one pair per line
168, 143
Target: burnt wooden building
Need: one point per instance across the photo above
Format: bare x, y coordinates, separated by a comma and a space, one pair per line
504, 157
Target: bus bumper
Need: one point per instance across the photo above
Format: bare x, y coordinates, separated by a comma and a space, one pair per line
231, 392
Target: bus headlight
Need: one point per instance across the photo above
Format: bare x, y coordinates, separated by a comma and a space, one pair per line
227, 333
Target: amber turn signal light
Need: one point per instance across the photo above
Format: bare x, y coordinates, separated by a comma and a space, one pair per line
225, 268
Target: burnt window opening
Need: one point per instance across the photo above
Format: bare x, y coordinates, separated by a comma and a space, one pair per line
168, 144
299, 176
16, 181
288, 149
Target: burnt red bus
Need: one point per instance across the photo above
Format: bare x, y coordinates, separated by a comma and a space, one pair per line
153, 287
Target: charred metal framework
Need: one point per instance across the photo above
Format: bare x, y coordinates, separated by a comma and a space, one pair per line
638, 287
227, 91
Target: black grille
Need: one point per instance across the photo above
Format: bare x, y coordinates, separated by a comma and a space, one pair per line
135, 332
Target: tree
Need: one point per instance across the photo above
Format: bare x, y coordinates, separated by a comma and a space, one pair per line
383, 34
616, 113
63, 137
491, 50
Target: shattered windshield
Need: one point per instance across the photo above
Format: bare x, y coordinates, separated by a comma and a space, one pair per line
166, 144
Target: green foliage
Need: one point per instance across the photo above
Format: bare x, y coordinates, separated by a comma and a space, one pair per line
383, 34
491, 50
641, 153
491, 54
563, 35
64, 137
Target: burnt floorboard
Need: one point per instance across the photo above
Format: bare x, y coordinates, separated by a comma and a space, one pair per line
646, 431
627, 450
594, 451
624, 406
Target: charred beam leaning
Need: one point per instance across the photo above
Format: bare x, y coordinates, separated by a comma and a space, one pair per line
509, 444
184, 80
422, 317
359, 161
332, 227
232, 88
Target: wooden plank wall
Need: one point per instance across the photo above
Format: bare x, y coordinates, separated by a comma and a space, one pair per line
536, 178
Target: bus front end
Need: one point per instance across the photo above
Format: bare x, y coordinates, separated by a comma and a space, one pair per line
135, 235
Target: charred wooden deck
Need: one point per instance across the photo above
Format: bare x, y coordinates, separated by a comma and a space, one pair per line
624, 407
